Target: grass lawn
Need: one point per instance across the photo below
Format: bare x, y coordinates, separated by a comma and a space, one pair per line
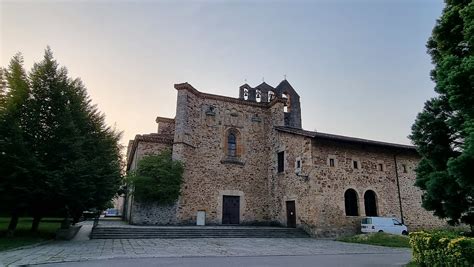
379, 239
23, 236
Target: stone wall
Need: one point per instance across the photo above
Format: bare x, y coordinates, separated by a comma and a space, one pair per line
147, 148
202, 125
416, 217
132, 211
165, 125
153, 214
318, 190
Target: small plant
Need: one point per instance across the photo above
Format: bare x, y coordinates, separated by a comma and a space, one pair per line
157, 178
442, 248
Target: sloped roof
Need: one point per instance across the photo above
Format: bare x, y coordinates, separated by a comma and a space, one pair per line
341, 138
265, 87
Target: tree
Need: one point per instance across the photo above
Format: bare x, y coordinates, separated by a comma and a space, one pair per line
76, 156
444, 131
17, 161
3, 88
157, 178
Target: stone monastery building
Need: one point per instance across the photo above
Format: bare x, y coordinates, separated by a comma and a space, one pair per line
249, 162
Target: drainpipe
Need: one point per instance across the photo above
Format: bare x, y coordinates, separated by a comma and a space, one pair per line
398, 188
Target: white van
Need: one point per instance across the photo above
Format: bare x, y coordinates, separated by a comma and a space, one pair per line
383, 224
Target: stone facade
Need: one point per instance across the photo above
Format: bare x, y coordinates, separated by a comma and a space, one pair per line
254, 148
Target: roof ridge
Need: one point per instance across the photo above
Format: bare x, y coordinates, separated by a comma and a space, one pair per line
315, 134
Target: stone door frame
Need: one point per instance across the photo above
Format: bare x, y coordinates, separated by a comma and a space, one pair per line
220, 199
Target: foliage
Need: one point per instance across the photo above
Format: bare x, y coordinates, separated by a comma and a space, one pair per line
18, 162
444, 131
61, 156
378, 239
157, 178
442, 248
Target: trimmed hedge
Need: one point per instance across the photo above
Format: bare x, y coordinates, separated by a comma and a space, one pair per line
442, 249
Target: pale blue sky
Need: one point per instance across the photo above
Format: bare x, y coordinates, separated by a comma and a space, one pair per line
360, 67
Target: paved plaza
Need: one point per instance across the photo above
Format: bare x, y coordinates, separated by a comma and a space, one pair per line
84, 250
207, 250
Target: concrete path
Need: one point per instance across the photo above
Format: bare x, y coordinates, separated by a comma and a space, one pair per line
85, 231
101, 249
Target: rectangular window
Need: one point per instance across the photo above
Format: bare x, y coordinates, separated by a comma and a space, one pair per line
281, 161
380, 167
331, 163
298, 164
356, 164
404, 168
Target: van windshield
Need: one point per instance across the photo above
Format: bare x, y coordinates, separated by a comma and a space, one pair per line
367, 221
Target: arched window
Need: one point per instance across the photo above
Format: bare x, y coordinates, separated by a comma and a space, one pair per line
370, 203
231, 145
258, 96
246, 94
350, 201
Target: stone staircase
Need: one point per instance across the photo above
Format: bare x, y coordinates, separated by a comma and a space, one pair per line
170, 232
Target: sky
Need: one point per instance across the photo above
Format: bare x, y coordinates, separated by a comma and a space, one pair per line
359, 66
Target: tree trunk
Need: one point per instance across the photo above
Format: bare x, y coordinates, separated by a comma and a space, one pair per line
75, 219
13, 224
35, 225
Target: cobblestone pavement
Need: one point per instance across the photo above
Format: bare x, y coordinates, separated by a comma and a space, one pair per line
67, 251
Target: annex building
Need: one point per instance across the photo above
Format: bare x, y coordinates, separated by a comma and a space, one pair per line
249, 162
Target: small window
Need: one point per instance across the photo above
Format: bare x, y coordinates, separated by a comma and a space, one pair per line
355, 164
380, 167
332, 162
298, 164
231, 145
404, 167
281, 161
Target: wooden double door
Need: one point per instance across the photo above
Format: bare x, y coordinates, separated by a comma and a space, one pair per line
230, 210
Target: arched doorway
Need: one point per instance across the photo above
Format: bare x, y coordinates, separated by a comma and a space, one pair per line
350, 201
370, 203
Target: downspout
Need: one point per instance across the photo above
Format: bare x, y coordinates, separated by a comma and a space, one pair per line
398, 188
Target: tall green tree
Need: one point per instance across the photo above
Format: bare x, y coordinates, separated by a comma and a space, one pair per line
76, 155
18, 163
444, 131
3, 89
79, 152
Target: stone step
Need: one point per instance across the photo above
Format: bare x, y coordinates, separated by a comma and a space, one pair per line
189, 232
201, 231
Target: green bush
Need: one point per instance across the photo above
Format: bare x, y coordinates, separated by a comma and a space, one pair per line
442, 248
157, 179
